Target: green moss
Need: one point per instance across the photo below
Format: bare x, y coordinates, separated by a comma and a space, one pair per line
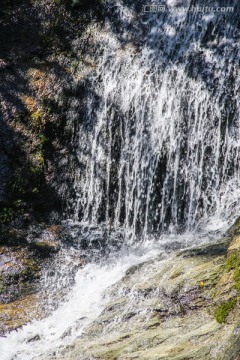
40, 158
3, 288
32, 265
35, 170
27, 181
236, 277
233, 265
6, 215
29, 273
224, 309
36, 120
43, 139
74, 65
35, 191
232, 261
18, 204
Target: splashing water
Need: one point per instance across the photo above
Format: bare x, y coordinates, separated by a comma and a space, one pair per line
85, 302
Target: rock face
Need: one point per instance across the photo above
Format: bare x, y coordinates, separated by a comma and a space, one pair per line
37, 76
38, 84
183, 307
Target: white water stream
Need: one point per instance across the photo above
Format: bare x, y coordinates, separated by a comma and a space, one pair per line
44, 339
85, 301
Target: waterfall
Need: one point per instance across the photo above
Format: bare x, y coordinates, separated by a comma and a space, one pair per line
157, 141
159, 138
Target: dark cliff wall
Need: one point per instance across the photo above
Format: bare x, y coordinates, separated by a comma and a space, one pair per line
37, 62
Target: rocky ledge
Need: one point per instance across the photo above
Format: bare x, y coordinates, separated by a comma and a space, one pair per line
182, 307
23, 255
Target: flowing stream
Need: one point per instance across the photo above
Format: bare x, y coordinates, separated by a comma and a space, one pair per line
158, 147
46, 338
84, 303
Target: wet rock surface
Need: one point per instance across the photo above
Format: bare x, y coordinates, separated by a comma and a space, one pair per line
21, 264
166, 309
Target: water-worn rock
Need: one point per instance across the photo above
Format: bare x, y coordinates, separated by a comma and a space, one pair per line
18, 271
21, 263
17, 313
18, 275
166, 309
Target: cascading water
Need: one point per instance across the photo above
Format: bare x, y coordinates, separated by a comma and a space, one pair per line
158, 146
